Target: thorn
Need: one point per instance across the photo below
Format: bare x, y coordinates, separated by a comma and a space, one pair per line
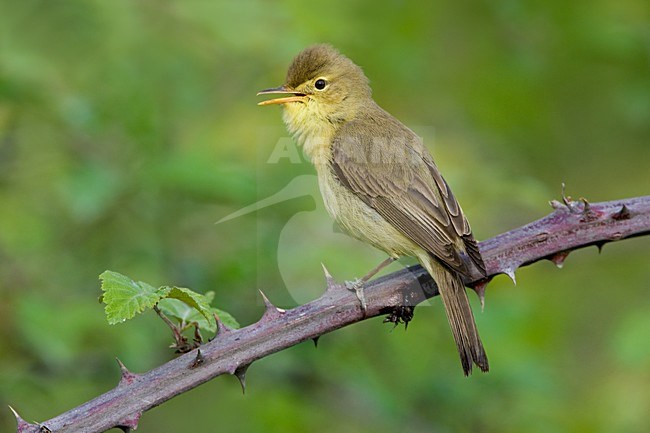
240, 373
568, 201
556, 204
200, 359
315, 340
126, 377
622, 214
511, 273
130, 423
600, 246
329, 280
565, 199
222, 328
18, 417
564, 196
558, 258
198, 338
479, 288
328, 276
271, 312
22, 425
267, 303
588, 214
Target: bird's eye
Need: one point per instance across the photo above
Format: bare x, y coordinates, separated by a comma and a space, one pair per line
320, 84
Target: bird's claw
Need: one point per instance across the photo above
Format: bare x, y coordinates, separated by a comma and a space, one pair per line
357, 287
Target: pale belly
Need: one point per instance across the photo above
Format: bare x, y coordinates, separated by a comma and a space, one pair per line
361, 221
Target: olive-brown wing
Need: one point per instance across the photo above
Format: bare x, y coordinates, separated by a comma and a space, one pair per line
398, 178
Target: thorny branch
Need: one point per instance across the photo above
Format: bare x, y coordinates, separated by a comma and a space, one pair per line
572, 225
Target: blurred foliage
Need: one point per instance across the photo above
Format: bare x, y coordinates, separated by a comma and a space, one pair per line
128, 128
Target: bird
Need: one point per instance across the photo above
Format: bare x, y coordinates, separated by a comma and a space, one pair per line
380, 183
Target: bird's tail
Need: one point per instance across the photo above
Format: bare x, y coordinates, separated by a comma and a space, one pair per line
459, 314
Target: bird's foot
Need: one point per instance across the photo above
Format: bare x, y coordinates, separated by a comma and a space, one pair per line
357, 287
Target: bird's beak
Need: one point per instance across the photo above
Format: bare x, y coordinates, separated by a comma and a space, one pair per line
295, 96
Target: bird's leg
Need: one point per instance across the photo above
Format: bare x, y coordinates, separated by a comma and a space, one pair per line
376, 270
357, 285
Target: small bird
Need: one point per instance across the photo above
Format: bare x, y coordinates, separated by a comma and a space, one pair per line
379, 182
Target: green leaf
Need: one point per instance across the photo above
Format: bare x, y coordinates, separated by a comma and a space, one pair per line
179, 310
124, 298
187, 314
192, 299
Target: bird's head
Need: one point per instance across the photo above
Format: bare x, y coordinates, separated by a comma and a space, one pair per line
323, 88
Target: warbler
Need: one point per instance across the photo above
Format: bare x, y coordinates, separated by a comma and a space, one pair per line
379, 182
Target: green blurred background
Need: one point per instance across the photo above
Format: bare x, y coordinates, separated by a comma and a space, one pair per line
128, 128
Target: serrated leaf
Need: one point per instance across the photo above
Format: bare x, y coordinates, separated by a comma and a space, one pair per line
184, 313
178, 309
124, 297
192, 299
209, 296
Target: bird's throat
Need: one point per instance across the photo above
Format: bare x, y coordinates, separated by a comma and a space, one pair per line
311, 128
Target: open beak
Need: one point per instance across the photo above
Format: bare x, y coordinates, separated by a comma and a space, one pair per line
294, 96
